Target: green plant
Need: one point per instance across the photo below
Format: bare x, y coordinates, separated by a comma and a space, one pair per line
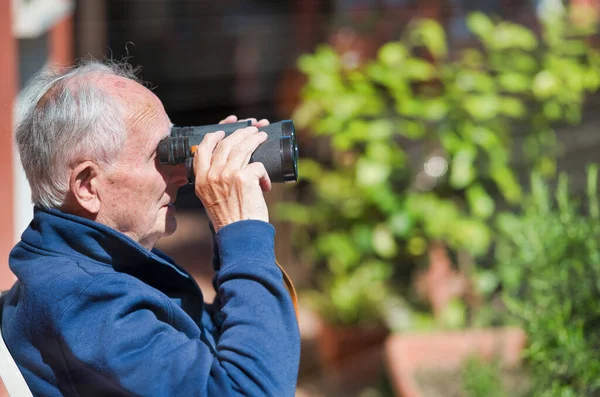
482, 379
420, 148
550, 265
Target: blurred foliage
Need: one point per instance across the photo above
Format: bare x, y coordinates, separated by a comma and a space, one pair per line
482, 379
549, 260
421, 145
491, 379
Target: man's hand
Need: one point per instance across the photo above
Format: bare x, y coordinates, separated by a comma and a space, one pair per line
230, 188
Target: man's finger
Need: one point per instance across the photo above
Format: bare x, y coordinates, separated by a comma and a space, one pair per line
262, 123
258, 171
252, 120
229, 119
222, 152
204, 152
240, 155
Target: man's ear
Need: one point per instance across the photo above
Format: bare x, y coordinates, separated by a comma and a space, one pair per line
83, 186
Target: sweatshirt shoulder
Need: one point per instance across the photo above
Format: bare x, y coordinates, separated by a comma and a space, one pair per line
54, 284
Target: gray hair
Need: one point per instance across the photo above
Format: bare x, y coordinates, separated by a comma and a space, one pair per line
64, 118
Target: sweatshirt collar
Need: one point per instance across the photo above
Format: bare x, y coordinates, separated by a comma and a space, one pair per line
70, 235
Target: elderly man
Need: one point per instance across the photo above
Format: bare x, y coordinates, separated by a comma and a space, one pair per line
96, 310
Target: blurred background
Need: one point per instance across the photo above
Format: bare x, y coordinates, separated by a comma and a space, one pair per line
443, 236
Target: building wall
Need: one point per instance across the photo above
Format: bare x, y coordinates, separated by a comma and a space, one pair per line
8, 92
8, 89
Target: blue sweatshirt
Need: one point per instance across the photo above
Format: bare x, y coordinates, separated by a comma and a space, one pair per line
93, 313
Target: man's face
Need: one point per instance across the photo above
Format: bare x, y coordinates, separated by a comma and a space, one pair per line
137, 196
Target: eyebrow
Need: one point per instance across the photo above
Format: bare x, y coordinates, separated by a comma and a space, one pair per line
171, 125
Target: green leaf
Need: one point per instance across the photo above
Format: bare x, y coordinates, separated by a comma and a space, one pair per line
383, 152
379, 73
401, 223
416, 246
514, 82
411, 129
471, 58
359, 131
383, 242
347, 106
471, 80
454, 314
306, 113
362, 236
435, 109
508, 223
512, 107
486, 282
295, 213
384, 198
325, 59
311, 170
328, 83
335, 186
484, 137
430, 34
507, 183
410, 107
462, 171
481, 25
472, 235
392, 54
381, 129
553, 110
591, 79
418, 69
523, 62
509, 35
371, 173
480, 202
339, 249
545, 85
482, 107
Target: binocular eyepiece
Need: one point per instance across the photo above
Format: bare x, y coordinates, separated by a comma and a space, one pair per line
279, 153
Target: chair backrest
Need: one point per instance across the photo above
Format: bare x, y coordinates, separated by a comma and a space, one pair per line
9, 372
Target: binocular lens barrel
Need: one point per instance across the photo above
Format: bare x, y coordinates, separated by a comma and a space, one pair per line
279, 153
205, 129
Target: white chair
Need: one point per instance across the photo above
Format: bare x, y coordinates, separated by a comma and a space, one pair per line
9, 372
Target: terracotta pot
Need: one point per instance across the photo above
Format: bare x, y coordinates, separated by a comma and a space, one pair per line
352, 356
406, 354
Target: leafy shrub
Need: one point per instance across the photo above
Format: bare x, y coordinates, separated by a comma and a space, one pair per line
481, 379
421, 145
549, 260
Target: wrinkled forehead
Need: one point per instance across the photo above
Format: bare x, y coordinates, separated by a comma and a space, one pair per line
145, 115
132, 95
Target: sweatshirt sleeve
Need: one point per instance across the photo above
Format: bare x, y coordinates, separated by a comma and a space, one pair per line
256, 305
126, 340
214, 308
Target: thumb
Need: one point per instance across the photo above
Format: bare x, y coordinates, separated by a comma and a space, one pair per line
258, 171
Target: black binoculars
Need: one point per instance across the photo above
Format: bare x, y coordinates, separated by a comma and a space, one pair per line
279, 153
